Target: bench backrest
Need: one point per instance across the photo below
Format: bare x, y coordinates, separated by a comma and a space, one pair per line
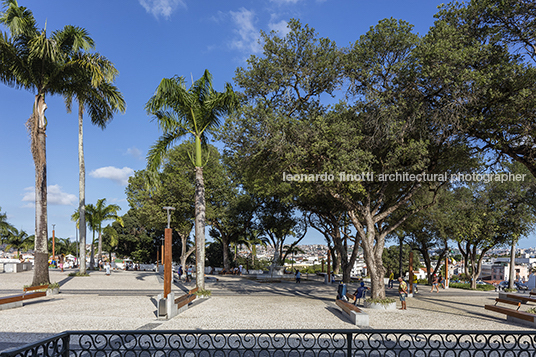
38, 287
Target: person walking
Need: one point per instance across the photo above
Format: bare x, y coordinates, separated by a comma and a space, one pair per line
403, 292
441, 281
435, 284
298, 277
415, 289
391, 279
180, 272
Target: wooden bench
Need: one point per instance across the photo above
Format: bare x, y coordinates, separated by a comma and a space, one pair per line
523, 299
12, 301
508, 301
355, 314
187, 298
511, 312
532, 293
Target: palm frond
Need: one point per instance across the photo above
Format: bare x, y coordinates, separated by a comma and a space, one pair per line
158, 151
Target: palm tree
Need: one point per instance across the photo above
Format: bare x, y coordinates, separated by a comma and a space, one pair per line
18, 240
5, 227
101, 213
92, 89
196, 111
43, 64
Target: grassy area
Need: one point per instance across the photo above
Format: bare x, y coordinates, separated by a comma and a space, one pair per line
483, 287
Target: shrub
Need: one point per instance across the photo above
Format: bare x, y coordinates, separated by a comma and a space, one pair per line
203, 292
384, 301
467, 286
532, 310
78, 274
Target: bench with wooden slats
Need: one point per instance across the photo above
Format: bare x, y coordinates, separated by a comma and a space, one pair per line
511, 312
186, 298
524, 299
26, 295
355, 314
508, 301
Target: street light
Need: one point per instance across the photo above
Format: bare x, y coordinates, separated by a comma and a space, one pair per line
168, 208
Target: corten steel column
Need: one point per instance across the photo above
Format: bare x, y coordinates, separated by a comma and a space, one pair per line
163, 250
329, 266
446, 272
411, 272
167, 263
53, 241
167, 259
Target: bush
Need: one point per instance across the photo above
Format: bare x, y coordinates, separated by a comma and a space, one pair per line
78, 274
384, 301
203, 292
483, 287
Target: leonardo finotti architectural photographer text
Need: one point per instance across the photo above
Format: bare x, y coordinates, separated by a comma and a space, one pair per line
402, 176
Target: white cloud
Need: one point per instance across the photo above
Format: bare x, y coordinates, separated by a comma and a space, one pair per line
55, 196
161, 7
113, 173
284, 2
248, 34
135, 152
280, 27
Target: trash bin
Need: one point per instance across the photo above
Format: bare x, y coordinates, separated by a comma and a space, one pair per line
341, 291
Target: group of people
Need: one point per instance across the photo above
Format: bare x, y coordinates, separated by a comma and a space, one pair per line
188, 275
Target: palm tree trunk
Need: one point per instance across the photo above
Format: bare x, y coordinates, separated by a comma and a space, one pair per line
200, 227
99, 246
81, 189
37, 125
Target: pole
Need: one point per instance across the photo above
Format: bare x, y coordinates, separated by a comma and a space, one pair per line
167, 263
410, 272
53, 242
446, 272
329, 266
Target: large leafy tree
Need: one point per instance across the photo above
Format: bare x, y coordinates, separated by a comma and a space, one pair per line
485, 76
44, 64
181, 112
94, 92
386, 126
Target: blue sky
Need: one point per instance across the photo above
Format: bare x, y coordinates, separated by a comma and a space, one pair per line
149, 40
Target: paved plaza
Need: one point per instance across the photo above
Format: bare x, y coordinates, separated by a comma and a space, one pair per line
125, 301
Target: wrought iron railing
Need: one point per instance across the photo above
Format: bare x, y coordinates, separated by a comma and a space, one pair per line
264, 343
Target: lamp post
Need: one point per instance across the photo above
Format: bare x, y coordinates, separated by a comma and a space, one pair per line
167, 251
53, 242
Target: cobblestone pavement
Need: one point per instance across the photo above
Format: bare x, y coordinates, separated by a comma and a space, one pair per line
126, 301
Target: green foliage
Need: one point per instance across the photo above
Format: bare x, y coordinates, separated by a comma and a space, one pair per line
316, 268
78, 274
483, 287
383, 301
531, 310
391, 259
204, 293
54, 285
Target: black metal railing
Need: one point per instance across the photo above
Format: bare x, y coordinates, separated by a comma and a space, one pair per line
264, 343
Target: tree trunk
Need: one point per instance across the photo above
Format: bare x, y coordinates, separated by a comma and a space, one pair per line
336, 260
81, 190
225, 249
373, 253
511, 275
37, 126
200, 227
99, 247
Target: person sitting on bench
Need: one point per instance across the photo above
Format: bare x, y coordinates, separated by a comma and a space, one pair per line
360, 293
